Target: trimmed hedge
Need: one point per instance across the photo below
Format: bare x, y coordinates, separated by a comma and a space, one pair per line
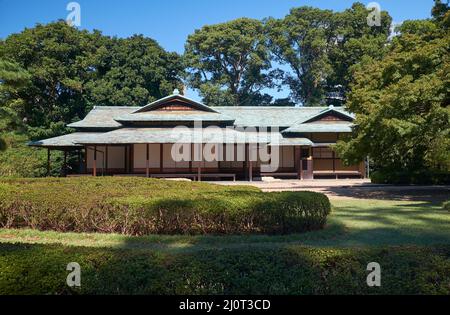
399, 177
41, 269
139, 206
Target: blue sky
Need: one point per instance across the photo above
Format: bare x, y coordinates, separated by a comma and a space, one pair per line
171, 21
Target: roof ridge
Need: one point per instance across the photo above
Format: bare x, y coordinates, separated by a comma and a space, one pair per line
114, 107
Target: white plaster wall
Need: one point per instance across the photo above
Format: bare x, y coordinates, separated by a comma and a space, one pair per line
140, 156
116, 157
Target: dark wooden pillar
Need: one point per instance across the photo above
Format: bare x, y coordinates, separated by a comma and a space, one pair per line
334, 163
147, 165
301, 164
65, 163
250, 170
192, 158
161, 158
199, 173
106, 158
95, 162
246, 174
131, 158
48, 162
84, 158
80, 169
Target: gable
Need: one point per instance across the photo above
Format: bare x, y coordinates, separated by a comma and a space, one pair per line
329, 116
175, 102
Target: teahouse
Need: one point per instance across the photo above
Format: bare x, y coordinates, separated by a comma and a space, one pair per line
141, 141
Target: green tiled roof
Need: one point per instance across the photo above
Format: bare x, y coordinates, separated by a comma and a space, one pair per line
292, 141
269, 116
69, 140
320, 128
175, 116
168, 135
292, 119
174, 96
191, 135
103, 117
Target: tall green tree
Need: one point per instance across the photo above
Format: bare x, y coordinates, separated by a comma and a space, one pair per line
321, 47
229, 63
354, 40
70, 71
402, 104
301, 40
132, 71
53, 56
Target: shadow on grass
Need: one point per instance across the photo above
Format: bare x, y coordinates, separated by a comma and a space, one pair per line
433, 195
41, 269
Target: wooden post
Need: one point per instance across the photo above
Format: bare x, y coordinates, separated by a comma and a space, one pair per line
125, 167
301, 164
250, 170
192, 158
80, 169
65, 163
246, 161
95, 162
147, 169
199, 173
48, 161
161, 157
131, 158
106, 158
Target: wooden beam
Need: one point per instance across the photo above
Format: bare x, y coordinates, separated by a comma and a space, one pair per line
95, 162
147, 166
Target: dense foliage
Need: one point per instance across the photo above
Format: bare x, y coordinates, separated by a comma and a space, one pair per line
291, 270
138, 206
53, 74
321, 47
229, 63
402, 106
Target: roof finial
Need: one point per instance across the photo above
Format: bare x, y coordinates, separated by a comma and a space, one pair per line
176, 92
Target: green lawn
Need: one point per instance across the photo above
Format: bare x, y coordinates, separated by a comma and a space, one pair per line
353, 222
409, 239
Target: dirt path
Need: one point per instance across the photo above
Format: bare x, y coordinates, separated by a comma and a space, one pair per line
356, 189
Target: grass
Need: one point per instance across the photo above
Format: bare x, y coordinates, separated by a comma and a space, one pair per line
353, 223
410, 240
